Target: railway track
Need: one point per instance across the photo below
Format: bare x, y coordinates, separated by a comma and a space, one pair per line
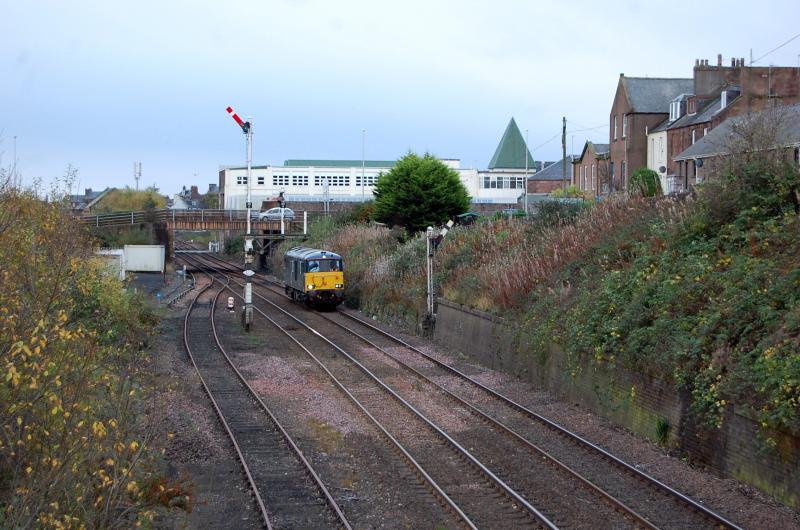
287, 490
463, 485
605, 476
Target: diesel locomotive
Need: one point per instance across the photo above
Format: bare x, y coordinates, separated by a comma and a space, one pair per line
314, 277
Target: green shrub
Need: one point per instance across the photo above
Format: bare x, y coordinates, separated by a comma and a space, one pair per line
644, 182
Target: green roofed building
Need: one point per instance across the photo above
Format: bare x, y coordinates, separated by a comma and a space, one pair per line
511, 151
326, 180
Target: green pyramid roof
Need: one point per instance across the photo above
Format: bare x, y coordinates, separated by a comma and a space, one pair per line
511, 150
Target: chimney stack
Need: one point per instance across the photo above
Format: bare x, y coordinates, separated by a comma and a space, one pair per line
741, 61
719, 59
696, 63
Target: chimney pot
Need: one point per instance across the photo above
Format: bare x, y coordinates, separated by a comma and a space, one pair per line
697, 62
741, 61
733, 62
719, 59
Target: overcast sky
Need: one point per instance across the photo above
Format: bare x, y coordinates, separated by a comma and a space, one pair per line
102, 84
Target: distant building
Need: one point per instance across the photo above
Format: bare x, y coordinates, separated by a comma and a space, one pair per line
551, 177
187, 198
590, 168
85, 203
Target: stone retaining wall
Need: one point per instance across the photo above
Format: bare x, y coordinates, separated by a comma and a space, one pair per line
646, 405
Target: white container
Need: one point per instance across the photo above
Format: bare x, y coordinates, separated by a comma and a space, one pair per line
144, 258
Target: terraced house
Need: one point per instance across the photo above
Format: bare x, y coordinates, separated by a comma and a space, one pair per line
719, 93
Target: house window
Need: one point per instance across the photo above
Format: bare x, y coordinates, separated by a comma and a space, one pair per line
615, 126
486, 182
299, 180
280, 180
241, 179
705, 131
260, 180
624, 125
694, 136
593, 181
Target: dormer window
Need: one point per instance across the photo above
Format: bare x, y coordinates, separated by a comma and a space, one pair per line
674, 110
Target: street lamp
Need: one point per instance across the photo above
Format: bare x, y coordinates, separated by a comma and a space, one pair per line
363, 182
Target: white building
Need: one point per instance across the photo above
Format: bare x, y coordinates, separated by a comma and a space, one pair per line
341, 180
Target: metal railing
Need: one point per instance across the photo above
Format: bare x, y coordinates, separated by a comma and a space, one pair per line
163, 216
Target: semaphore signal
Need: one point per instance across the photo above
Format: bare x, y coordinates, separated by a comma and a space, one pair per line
245, 125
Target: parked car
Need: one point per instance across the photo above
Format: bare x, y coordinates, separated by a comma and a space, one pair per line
275, 214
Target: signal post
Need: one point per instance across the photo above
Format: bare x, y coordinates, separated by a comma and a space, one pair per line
249, 250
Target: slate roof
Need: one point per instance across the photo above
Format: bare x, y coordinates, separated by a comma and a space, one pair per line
81, 202
554, 171
660, 127
705, 115
599, 149
716, 141
653, 94
511, 151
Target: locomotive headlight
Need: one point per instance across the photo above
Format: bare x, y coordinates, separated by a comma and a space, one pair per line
339, 285
310, 286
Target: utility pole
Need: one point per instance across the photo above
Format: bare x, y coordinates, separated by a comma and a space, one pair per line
249, 251
564, 153
14, 166
526, 173
363, 182
137, 173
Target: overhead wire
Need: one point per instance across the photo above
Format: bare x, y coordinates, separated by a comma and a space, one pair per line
775, 49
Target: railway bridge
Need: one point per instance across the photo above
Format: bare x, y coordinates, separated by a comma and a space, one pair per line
229, 222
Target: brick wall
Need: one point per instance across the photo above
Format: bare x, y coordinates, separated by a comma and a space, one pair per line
636, 401
544, 186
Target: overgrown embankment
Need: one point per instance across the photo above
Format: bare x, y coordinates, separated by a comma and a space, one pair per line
703, 293
73, 450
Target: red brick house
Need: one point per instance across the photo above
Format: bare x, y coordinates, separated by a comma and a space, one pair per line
590, 168
640, 103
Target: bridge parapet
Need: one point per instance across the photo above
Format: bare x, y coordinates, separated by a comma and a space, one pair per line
202, 220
